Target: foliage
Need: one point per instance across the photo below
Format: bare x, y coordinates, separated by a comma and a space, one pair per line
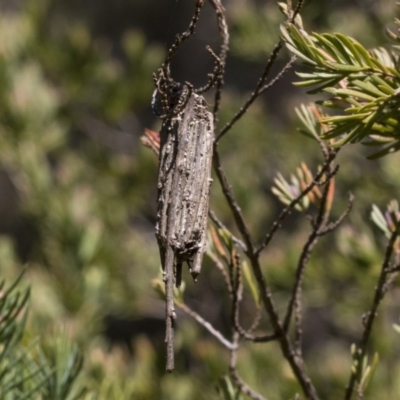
34, 372
362, 85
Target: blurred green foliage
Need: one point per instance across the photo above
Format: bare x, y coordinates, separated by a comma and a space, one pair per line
81, 201
48, 371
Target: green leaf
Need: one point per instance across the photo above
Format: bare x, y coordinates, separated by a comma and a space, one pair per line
353, 93
349, 44
249, 277
226, 237
309, 121
380, 66
286, 36
344, 67
310, 82
369, 372
320, 75
342, 118
379, 220
364, 53
341, 48
300, 55
396, 328
351, 137
327, 84
368, 87
226, 389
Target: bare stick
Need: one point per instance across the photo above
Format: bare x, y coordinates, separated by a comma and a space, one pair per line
182, 38
183, 195
275, 52
222, 270
220, 225
224, 34
380, 290
288, 209
185, 154
319, 230
214, 332
170, 315
243, 386
295, 302
282, 72
236, 299
295, 361
260, 87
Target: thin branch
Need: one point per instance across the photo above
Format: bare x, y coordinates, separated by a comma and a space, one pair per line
253, 338
297, 10
333, 225
295, 361
170, 315
236, 299
282, 72
295, 303
239, 382
224, 34
261, 86
271, 61
213, 77
214, 332
320, 228
288, 209
180, 38
230, 197
236, 293
391, 270
221, 225
222, 270
380, 291
248, 334
257, 319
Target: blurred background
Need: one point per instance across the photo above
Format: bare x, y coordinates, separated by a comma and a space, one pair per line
78, 193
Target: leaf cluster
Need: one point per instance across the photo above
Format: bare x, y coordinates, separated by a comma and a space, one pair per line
362, 85
37, 372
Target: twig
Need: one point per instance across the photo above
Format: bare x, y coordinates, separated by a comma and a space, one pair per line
236, 299
222, 270
221, 225
256, 320
288, 209
170, 315
214, 76
282, 72
380, 291
396, 268
214, 332
246, 389
224, 33
295, 302
274, 54
230, 197
184, 174
180, 38
295, 361
260, 87
247, 335
333, 225
318, 231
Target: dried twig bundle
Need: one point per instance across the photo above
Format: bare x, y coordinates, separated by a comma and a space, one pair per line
183, 191
186, 147
183, 185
